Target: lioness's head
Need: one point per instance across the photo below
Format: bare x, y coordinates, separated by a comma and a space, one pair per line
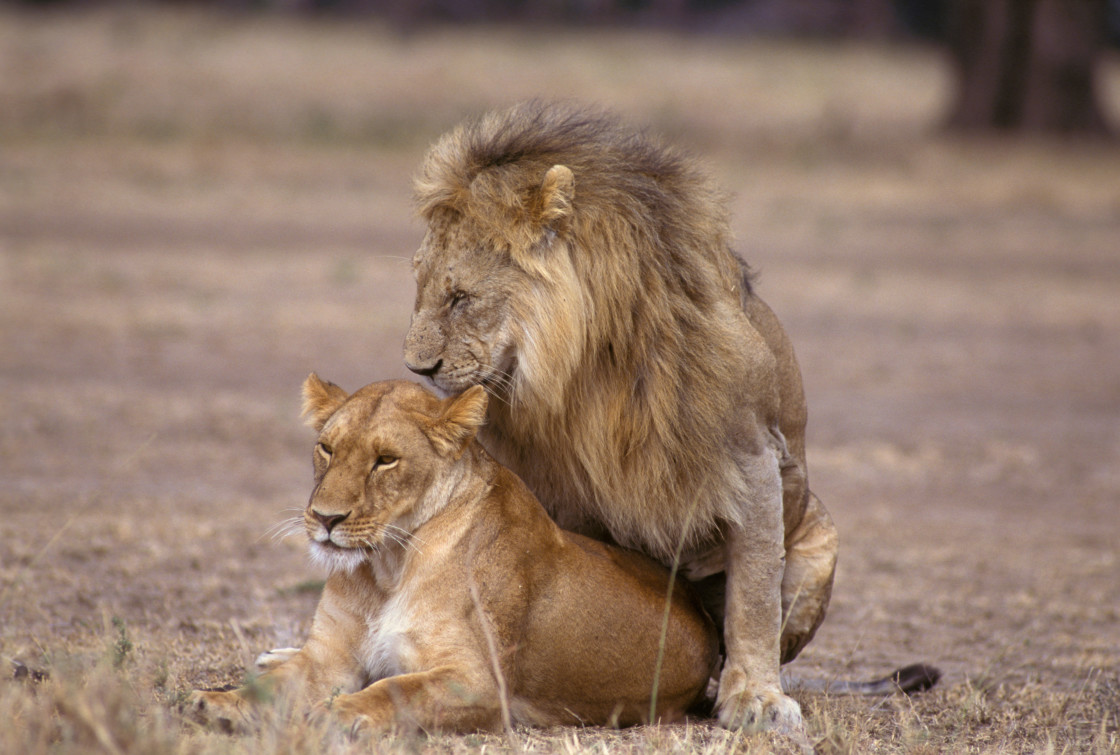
385, 462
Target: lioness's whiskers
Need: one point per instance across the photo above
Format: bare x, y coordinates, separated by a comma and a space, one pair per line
403, 537
284, 528
395, 528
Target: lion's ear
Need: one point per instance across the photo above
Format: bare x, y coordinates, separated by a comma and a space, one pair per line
459, 422
557, 191
321, 399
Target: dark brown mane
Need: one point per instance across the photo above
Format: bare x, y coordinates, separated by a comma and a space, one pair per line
492, 165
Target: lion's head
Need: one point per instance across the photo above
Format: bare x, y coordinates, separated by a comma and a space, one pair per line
582, 274
480, 280
384, 463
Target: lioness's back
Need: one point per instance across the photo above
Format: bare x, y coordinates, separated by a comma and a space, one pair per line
596, 624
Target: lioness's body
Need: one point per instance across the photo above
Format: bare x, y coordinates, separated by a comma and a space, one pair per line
451, 587
583, 273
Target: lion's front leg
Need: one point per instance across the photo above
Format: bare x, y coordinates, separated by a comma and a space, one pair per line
750, 692
312, 673
224, 710
234, 710
446, 699
270, 659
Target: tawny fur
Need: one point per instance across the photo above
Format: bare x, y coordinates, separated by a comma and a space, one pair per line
454, 602
582, 272
624, 332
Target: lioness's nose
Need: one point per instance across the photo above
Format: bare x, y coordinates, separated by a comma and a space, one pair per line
329, 520
426, 370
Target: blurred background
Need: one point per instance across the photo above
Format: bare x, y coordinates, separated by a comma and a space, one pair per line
200, 203
1014, 65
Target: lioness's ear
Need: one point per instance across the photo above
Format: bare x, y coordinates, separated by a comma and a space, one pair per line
321, 399
557, 192
459, 422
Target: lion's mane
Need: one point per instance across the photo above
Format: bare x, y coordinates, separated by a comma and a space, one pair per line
631, 367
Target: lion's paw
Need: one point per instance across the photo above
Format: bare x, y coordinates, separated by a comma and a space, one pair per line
222, 710
347, 714
270, 659
769, 711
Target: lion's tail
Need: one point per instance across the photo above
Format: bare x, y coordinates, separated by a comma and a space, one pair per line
909, 679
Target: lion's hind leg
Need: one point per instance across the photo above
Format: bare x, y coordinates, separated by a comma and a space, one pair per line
443, 698
807, 581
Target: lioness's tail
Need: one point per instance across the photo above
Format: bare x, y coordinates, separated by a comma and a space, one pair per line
909, 679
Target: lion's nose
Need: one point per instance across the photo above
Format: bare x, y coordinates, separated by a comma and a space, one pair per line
329, 520
424, 370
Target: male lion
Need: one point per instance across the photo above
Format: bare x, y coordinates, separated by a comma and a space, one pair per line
454, 601
582, 273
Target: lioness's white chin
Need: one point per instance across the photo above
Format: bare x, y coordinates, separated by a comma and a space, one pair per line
336, 559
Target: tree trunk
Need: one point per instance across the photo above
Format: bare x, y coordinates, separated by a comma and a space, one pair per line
874, 19
1027, 65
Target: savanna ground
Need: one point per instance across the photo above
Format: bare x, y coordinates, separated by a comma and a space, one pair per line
197, 210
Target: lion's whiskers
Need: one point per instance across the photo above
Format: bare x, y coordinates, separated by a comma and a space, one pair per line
411, 535
401, 537
501, 378
285, 528
498, 384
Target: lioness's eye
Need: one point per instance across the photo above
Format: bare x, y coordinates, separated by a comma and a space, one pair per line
385, 462
457, 298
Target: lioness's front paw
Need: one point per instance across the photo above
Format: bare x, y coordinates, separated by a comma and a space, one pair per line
270, 659
349, 715
223, 710
760, 711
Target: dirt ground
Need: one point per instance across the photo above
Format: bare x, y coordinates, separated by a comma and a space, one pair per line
197, 211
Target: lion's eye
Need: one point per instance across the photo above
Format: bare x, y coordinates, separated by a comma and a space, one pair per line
456, 299
324, 451
385, 462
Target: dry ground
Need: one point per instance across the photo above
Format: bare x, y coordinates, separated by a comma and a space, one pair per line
196, 211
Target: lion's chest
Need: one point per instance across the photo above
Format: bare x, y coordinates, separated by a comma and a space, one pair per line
549, 471
387, 648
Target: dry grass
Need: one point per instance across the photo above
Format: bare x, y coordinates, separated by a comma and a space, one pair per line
196, 211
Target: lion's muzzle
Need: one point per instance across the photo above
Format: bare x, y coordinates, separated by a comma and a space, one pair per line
425, 370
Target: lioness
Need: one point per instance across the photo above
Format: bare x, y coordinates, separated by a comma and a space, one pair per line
453, 600
582, 272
